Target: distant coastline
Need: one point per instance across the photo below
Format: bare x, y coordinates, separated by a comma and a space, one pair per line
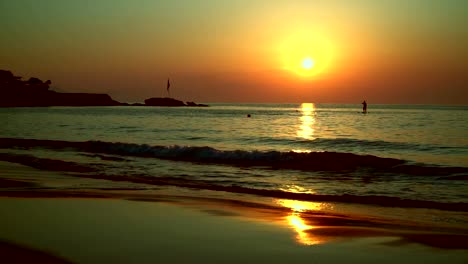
36, 93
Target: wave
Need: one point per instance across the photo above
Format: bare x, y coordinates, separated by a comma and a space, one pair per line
314, 161
380, 145
46, 164
358, 144
89, 172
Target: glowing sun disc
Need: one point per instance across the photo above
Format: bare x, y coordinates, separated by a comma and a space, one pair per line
307, 63
306, 54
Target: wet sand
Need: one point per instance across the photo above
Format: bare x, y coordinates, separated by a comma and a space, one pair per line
92, 221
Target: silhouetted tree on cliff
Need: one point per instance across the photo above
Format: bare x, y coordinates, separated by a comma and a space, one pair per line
11, 84
7, 79
36, 83
34, 92
15, 92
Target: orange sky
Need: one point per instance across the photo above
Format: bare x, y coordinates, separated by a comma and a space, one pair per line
243, 51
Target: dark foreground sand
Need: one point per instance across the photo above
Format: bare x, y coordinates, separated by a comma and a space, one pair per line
52, 218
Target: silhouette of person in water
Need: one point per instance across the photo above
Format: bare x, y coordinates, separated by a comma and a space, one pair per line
364, 107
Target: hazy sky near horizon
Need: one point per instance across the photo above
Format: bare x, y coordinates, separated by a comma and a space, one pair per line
243, 50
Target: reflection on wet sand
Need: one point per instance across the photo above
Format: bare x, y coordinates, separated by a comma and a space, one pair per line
314, 222
296, 222
294, 219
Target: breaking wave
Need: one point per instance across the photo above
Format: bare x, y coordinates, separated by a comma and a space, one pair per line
380, 144
314, 161
89, 172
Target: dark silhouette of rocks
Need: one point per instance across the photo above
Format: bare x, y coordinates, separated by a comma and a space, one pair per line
82, 99
166, 101
195, 104
34, 92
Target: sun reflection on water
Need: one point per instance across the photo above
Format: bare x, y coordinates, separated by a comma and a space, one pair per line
300, 206
296, 189
306, 129
294, 219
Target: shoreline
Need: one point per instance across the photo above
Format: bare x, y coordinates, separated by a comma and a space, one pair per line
325, 226
22, 181
308, 223
163, 230
85, 171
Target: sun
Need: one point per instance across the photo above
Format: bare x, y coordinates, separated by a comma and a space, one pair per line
306, 54
307, 63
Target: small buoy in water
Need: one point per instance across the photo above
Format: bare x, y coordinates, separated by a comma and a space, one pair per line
248, 115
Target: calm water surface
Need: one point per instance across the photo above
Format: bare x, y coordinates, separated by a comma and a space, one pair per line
219, 145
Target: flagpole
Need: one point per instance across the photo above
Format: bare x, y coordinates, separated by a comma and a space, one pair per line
168, 85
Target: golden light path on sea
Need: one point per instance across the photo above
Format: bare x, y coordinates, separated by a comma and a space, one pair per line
306, 129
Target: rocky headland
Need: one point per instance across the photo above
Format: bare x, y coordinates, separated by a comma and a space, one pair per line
15, 92
166, 101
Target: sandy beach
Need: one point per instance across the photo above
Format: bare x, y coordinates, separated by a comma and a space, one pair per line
55, 217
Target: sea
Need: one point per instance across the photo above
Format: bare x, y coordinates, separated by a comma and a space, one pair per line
404, 156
